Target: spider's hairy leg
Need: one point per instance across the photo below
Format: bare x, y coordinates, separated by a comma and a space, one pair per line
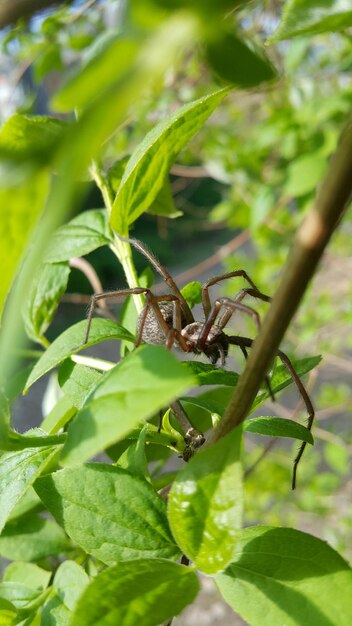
247, 343
96, 297
231, 306
307, 401
267, 379
141, 247
217, 279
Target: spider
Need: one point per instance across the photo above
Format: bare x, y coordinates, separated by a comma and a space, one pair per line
167, 319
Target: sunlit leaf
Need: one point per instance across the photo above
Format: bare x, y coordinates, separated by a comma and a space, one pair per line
140, 593
148, 166
291, 574
205, 504
108, 512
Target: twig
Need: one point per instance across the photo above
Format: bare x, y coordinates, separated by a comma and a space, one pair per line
208, 263
310, 242
13, 10
88, 270
186, 171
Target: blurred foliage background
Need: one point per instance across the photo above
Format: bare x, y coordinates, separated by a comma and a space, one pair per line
239, 189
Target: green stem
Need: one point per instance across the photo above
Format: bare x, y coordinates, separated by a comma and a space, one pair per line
89, 361
121, 249
308, 248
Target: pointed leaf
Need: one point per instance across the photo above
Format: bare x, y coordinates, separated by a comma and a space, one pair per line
205, 504
86, 232
70, 342
49, 284
148, 166
141, 384
27, 574
30, 538
69, 582
278, 427
19, 222
209, 375
238, 62
303, 17
77, 381
137, 593
19, 470
282, 378
293, 576
108, 512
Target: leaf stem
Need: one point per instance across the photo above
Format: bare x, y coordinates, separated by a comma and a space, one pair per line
121, 249
310, 242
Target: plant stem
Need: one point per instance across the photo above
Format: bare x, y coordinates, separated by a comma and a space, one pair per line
121, 249
309, 245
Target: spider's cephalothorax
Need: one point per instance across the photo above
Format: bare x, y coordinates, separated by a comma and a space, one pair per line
216, 345
167, 319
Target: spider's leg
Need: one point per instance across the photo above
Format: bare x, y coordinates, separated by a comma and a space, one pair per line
95, 298
307, 401
267, 379
217, 279
153, 302
141, 247
230, 305
247, 343
226, 316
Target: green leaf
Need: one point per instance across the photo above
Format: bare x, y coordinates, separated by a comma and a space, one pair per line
303, 17
17, 224
8, 613
54, 612
111, 57
28, 503
282, 378
19, 470
278, 427
108, 512
70, 342
27, 574
32, 138
192, 293
209, 375
59, 415
86, 232
141, 384
205, 504
163, 204
49, 284
77, 381
69, 582
137, 593
30, 538
134, 459
237, 61
148, 166
214, 400
293, 576
304, 174
20, 595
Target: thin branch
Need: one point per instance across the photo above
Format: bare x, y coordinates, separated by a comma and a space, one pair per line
310, 242
208, 263
13, 10
88, 270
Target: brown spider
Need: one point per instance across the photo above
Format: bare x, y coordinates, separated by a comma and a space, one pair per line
167, 319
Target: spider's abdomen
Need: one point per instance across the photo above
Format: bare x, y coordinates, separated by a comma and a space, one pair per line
152, 332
